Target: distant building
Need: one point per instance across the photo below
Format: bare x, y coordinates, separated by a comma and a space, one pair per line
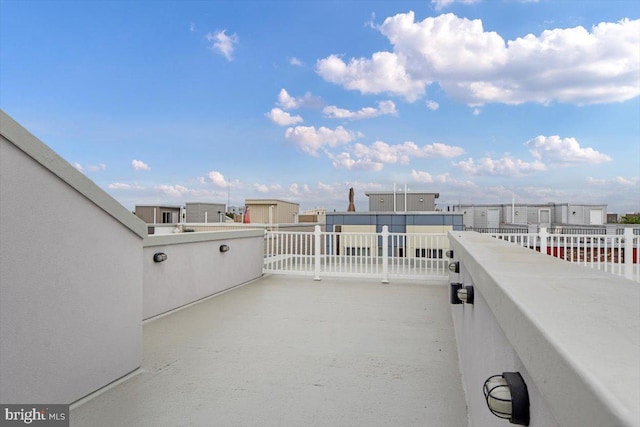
398, 201
205, 212
545, 215
397, 222
159, 214
272, 211
317, 215
613, 218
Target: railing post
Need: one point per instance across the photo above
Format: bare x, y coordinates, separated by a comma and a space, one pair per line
385, 254
543, 239
316, 249
628, 253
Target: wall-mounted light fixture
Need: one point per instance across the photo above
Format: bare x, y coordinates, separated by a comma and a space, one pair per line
453, 295
454, 267
517, 213
449, 253
573, 213
461, 294
224, 248
465, 294
159, 257
507, 397
421, 200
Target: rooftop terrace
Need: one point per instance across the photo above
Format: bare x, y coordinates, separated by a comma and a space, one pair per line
77, 283
290, 351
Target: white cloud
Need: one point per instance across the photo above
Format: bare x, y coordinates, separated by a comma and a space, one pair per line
282, 118
382, 152
506, 166
476, 111
384, 107
618, 180
218, 180
385, 72
421, 176
441, 4
97, 168
139, 165
344, 161
564, 151
310, 140
222, 43
289, 102
295, 62
175, 191
78, 166
446, 178
264, 188
192, 27
124, 186
572, 65
432, 105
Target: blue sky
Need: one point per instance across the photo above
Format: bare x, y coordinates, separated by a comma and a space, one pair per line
483, 101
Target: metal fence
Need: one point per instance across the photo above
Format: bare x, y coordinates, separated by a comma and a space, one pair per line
384, 255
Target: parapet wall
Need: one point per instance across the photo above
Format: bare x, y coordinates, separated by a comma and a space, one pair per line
571, 331
196, 267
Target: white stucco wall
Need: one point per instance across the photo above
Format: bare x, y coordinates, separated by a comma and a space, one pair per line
484, 350
571, 331
70, 282
195, 268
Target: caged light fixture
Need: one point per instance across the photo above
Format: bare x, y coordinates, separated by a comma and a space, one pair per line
159, 257
461, 294
507, 397
454, 267
449, 253
224, 248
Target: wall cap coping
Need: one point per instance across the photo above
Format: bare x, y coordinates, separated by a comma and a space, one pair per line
200, 236
574, 328
20, 137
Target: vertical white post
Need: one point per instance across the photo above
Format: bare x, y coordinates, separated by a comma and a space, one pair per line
628, 253
405, 197
154, 216
395, 208
543, 239
385, 254
513, 211
316, 248
205, 217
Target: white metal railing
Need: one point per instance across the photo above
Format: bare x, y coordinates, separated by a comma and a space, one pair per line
383, 255
615, 253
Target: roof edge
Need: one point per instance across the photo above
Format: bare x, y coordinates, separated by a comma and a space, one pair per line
43, 154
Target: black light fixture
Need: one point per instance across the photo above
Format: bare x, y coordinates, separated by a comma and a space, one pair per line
507, 397
224, 248
159, 257
461, 294
454, 267
449, 253
453, 295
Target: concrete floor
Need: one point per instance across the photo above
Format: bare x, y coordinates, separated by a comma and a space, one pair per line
288, 351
